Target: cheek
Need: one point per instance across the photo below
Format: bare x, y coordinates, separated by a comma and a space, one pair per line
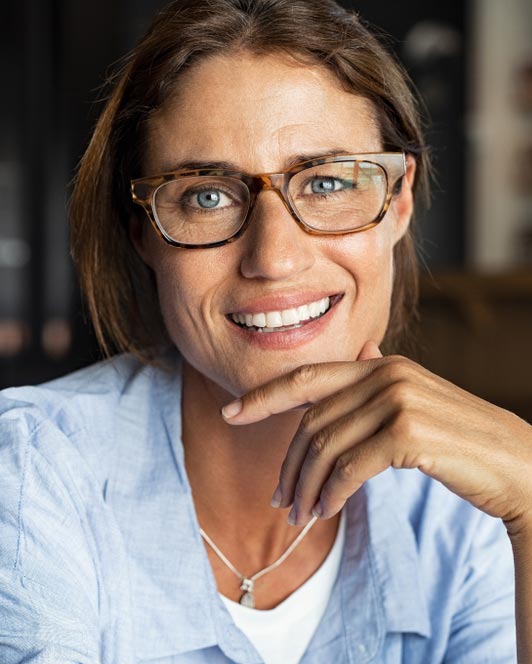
171, 276
187, 283
368, 257
176, 300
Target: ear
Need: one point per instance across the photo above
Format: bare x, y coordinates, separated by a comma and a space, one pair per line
137, 236
403, 202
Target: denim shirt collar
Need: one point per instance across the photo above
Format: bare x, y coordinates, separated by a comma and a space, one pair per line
175, 603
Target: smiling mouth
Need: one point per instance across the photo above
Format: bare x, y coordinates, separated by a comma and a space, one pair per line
273, 321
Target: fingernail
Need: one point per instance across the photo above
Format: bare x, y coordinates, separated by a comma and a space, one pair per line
317, 510
292, 517
277, 497
232, 409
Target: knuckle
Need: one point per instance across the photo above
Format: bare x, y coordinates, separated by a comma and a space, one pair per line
305, 374
310, 420
319, 444
260, 398
399, 393
397, 367
345, 468
395, 357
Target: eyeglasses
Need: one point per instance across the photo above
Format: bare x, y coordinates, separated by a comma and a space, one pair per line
329, 196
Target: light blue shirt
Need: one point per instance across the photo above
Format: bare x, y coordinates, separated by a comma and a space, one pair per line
101, 558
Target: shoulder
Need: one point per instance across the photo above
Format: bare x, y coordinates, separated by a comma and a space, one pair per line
70, 401
88, 412
49, 435
62, 442
61, 551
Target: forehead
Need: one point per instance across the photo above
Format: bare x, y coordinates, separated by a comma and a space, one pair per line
257, 111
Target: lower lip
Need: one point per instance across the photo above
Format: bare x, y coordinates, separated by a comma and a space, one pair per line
289, 338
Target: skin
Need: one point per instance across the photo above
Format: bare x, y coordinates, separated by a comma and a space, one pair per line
332, 413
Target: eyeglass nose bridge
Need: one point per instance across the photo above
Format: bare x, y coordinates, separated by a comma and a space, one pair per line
277, 182
271, 181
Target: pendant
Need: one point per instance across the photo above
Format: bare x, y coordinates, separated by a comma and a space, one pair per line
247, 598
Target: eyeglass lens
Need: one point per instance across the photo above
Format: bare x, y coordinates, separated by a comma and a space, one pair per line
338, 196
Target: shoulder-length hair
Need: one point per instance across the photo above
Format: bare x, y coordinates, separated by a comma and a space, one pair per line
119, 288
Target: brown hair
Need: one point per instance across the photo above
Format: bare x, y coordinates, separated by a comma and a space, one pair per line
120, 289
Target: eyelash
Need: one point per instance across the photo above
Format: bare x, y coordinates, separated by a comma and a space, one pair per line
195, 192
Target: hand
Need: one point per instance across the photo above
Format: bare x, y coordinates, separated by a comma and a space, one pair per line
377, 412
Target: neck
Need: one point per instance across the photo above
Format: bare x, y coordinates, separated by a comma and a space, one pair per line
233, 470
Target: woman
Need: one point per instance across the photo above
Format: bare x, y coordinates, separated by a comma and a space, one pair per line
242, 225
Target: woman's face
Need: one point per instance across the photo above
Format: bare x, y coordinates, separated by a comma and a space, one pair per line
259, 114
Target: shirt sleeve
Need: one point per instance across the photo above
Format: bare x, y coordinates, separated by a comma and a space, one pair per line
483, 625
48, 575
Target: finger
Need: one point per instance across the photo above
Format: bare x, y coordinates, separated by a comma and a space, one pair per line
352, 469
408, 440
305, 385
369, 351
329, 444
321, 416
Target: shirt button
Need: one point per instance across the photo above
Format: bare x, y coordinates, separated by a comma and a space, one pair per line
361, 648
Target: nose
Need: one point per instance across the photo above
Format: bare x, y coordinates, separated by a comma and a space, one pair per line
276, 248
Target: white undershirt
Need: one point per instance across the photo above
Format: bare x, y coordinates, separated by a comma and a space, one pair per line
281, 635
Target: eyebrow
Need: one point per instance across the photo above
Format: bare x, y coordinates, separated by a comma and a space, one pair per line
187, 165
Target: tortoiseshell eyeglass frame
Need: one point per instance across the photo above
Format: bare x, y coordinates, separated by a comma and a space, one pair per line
143, 191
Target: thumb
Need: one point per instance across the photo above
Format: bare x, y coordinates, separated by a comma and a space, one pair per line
369, 351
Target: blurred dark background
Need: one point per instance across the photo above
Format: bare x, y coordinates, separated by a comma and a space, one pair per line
472, 63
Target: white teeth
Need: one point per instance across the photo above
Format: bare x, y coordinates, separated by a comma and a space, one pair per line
270, 320
303, 313
259, 320
290, 317
274, 319
314, 308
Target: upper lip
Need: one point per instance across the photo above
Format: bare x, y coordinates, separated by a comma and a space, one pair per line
279, 302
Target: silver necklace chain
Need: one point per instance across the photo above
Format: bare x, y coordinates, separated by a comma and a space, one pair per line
248, 583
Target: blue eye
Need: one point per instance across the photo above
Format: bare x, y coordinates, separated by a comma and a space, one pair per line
208, 199
322, 185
